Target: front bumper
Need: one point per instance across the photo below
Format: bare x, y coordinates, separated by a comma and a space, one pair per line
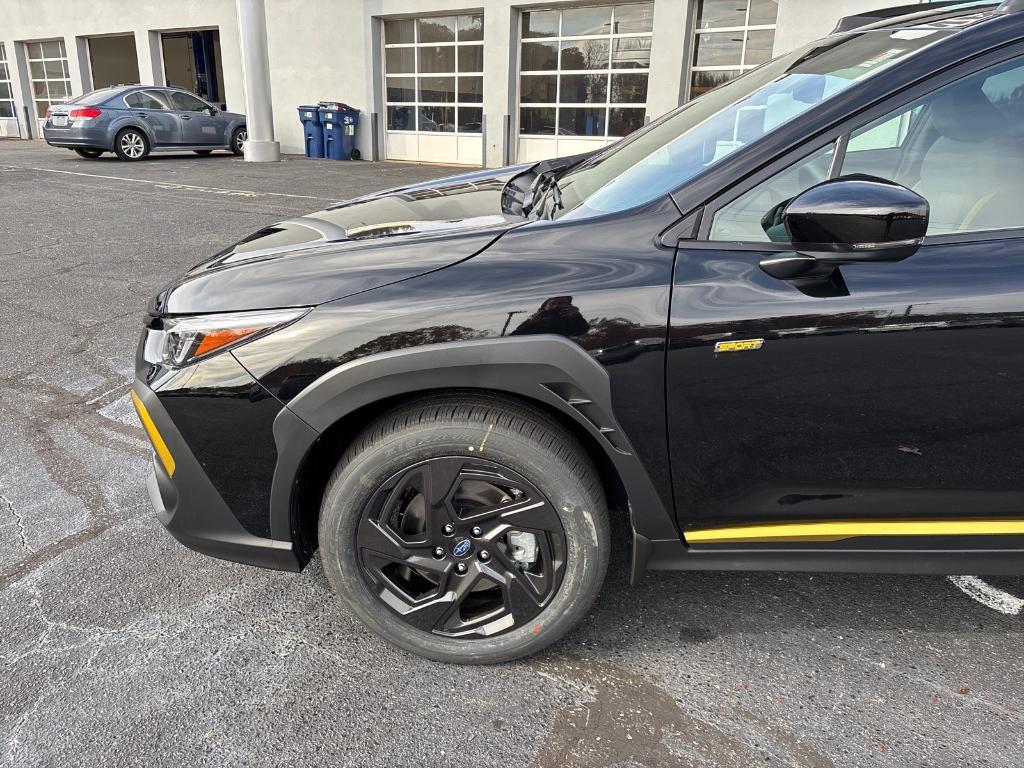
188, 504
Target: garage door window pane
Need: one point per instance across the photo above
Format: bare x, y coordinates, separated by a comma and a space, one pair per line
401, 88
585, 54
583, 89
539, 56
629, 89
706, 81
39, 90
401, 118
437, 119
471, 28
54, 49
763, 11
3, 69
437, 58
5, 90
538, 89
471, 90
440, 89
622, 122
720, 13
470, 119
537, 120
540, 24
35, 69
579, 121
6, 109
438, 30
399, 31
471, 58
58, 90
399, 60
631, 53
586, 21
634, 18
719, 49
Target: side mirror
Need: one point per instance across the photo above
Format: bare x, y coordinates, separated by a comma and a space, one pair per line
212, 111
848, 220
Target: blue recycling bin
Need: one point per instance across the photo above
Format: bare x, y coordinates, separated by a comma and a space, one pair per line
339, 123
313, 131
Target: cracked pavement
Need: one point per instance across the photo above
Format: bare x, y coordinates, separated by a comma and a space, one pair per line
120, 647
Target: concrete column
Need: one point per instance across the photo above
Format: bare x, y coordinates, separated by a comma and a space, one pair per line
500, 57
151, 61
78, 64
666, 88
252, 34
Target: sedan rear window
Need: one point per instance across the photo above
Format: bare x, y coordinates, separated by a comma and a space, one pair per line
93, 98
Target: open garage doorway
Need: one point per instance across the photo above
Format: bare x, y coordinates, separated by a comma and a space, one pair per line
113, 60
192, 61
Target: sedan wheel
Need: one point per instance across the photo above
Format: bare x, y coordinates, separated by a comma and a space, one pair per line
131, 145
238, 139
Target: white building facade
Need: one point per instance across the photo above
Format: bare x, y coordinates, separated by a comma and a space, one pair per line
435, 80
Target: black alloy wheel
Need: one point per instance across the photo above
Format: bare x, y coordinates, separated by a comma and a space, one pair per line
466, 527
439, 544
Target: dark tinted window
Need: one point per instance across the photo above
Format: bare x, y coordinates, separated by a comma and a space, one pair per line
185, 102
144, 100
95, 97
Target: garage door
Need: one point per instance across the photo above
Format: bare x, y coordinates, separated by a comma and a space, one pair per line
434, 89
582, 77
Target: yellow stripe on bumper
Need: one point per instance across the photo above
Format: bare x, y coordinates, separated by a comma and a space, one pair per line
154, 435
837, 530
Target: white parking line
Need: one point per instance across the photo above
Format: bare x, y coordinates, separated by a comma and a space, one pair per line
987, 595
173, 185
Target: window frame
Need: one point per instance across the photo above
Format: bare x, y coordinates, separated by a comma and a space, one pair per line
43, 60
416, 46
745, 28
609, 71
7, 81
839, 134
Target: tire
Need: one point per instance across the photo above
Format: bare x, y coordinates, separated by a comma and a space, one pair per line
131, 144
357, 155
203, 152
238, 137
533, 456
90, 154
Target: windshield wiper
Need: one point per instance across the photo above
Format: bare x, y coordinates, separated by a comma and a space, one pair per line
544, 188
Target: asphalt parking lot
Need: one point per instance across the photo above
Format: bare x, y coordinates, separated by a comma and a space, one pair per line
120, 647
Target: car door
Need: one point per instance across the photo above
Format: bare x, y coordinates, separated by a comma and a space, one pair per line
198, 127
902, 399
153, 109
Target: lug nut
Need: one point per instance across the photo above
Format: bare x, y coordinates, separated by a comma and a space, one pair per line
438, 552
460, 568
484, 555
477, 530
448, 529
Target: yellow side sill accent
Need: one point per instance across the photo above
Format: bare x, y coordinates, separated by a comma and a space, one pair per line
837, 530
154, 435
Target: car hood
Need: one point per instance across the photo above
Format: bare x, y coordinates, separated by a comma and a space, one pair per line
351, 247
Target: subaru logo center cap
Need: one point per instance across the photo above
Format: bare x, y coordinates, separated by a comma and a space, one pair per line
462, 548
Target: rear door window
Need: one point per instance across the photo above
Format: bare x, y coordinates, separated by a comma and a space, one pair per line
144, 100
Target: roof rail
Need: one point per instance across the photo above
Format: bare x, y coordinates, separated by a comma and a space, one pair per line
882, 14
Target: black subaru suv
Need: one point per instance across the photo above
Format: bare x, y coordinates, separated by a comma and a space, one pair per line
777, 329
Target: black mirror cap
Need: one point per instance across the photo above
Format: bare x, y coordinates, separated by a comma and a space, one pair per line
857, 218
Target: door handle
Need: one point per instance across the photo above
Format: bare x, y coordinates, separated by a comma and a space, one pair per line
186, 117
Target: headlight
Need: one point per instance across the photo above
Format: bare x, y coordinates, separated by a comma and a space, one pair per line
183, 340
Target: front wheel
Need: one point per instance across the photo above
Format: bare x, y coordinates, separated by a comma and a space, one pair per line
90, 154
468, 529
131, 144
238, 139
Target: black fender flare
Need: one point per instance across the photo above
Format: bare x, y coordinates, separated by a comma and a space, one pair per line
546, 368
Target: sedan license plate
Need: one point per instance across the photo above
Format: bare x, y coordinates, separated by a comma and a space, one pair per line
60, 120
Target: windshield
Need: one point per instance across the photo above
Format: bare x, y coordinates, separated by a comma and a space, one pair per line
660, 157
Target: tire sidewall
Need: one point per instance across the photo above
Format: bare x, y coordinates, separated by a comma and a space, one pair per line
583, 518
235, 149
